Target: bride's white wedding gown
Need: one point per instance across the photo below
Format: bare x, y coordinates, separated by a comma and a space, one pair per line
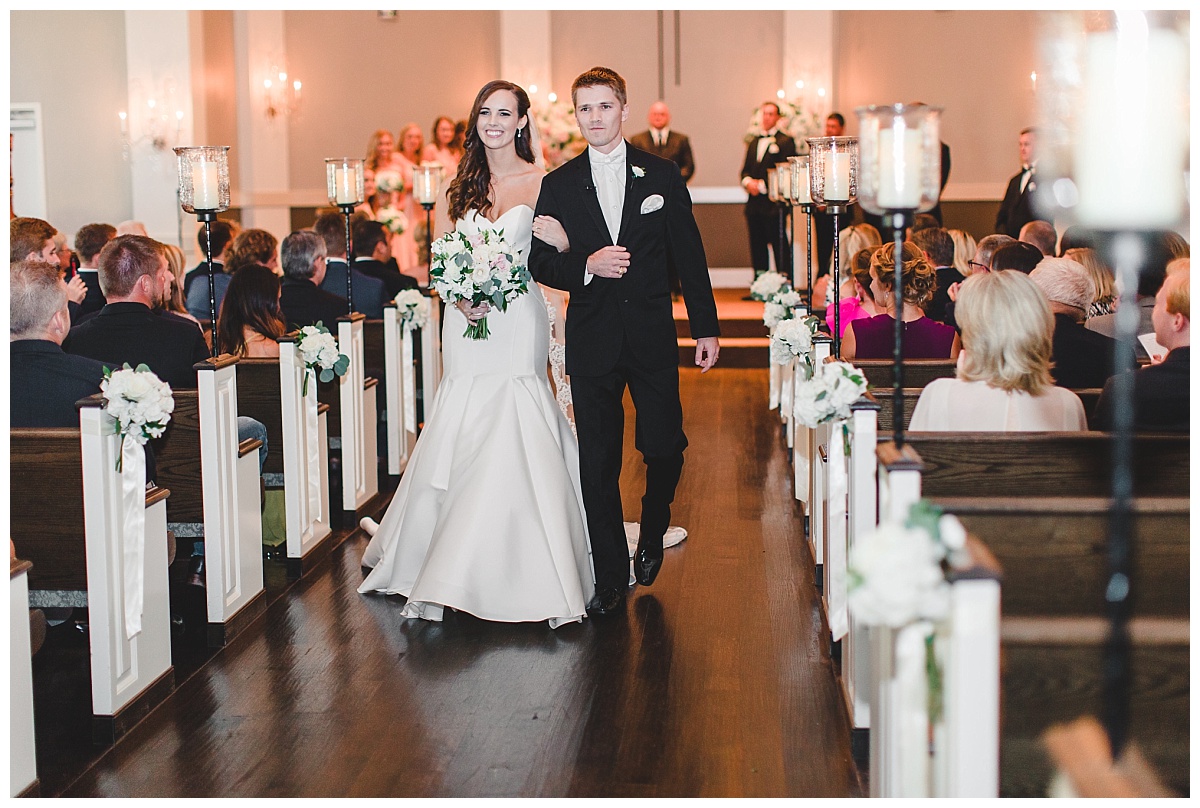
488, 518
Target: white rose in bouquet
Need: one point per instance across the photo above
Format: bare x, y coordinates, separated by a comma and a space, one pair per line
792, 338
139, 401
321, 355
834, 386
413, 308
788, 298
394, 220
895, 577
766, 285
478, 268
774, 313
389, 181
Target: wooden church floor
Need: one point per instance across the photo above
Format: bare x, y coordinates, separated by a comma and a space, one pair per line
716, 681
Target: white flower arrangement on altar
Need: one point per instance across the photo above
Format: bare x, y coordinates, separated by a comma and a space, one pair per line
561, 139
413, 308
391, 218
389, 180
478, 268
766, 285
140, 402
792, 119
828, 394
793, 339
320, 351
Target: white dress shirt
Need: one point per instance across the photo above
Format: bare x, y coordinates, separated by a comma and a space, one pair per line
608, 174
659, 136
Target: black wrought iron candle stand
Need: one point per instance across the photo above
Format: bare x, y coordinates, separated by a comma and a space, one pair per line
428, 233
347, 212
208, 217
898, 220
835, 210
807, 210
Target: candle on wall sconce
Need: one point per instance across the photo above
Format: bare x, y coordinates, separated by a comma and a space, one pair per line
1033, 80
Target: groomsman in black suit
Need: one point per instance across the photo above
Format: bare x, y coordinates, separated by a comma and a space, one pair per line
762, 215
90, 239
136, 280
373, 257
663, 141
1015, 210
627, 215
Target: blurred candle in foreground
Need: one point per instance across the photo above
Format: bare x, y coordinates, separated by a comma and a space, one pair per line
837, 177
205, 185
899, 168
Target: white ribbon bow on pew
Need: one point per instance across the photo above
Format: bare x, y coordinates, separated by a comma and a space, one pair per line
133, 516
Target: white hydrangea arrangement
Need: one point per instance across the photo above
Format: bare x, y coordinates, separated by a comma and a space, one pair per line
320, 352
140, 402
792, 119
389, 180
828, 394
413, 308
478, 268
391, 218
559, 132
897, 573
766, 285
793, 339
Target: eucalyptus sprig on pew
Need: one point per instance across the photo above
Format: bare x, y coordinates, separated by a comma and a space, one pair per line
793, 339
140, 402
413, 309
320, 352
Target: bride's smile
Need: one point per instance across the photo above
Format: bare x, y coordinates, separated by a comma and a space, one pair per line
498, 121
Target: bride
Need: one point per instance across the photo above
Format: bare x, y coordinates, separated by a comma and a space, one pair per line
488, 518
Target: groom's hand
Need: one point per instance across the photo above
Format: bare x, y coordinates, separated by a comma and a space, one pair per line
609, 262
707, 349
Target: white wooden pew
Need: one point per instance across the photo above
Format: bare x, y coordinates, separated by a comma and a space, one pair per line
400, 385
431, 354
22, 763
818, 443
360, 464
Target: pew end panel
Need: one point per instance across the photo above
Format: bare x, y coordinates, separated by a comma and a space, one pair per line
22, 762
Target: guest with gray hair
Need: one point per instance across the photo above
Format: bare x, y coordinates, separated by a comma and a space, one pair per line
1040, 234
985, 250
301, 299
1082, 358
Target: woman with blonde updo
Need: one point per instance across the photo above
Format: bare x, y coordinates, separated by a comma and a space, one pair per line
874, 338
1003, 382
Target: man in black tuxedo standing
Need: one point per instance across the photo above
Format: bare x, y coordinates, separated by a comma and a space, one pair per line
661, 140
627, 214
762, 215
1015, 210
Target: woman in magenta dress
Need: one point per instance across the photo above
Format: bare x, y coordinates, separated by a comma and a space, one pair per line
860, 304
874, 337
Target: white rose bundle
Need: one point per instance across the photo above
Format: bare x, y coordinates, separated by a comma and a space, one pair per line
478, 268
766, 285
413, 308
140, 402
394, 220
834, 386
320, 352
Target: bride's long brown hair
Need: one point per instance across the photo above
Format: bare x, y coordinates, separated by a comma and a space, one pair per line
469, 188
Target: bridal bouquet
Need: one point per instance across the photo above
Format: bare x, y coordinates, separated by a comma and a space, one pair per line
793, 339
834, 386
478, 268
320, 351
413, 308
140, 401
394, 220
389, 180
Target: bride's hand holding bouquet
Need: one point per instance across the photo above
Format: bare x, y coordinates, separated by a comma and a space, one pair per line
482, 271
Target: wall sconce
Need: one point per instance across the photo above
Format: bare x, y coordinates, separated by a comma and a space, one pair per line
153, 119
281, 97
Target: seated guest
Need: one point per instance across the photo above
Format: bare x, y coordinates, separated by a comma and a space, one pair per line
1041, 235
1102, 278
1162, 248
851, 241
1184, 264
1161, 399
980, 262
90, 239
373, 256
938, 247
1081, 358
964, 251
1003, 382
174, 304
132, 227
368, 292
135, 279
250, 322
874, 337
44, 382
253, 246
301, 299
1075, 237
859, 305
32, 239
223, 233
1018, 256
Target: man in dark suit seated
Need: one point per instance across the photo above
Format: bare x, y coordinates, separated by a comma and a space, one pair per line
368, 292
135, 278
302, 300
1161, 397
938, 247
45, 381
89, 241
222, 236
372, 256
1015, 210
663, 141
1082, 358
31, 239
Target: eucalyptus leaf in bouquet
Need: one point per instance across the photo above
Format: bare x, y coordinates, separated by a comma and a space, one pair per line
483, 267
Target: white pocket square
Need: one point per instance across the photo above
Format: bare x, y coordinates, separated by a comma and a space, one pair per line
652, 203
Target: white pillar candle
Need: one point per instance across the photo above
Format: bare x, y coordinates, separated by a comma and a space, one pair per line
346, 185
1128, 175
205, 185
837, 177
899, 169
784, 177
803, 194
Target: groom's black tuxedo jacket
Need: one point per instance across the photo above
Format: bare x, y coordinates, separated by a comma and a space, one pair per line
636, 308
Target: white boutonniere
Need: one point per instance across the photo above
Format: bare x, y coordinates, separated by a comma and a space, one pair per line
638, 171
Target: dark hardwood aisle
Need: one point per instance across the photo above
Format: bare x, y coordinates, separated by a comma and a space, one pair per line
716, 682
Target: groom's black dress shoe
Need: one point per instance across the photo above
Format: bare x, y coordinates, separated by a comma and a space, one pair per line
646, 564
606, 601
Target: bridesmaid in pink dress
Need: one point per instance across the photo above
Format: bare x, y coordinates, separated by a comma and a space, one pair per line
404, 246
440, 148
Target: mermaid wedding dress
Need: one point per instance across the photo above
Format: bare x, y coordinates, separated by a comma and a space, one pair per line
488, 518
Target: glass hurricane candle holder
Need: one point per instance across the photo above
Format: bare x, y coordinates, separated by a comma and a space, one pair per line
773, 183
344, 181
798, 166
899, 158
833, 171
427, 181
203, 180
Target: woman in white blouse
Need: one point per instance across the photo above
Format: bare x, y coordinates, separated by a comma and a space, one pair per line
1003, 382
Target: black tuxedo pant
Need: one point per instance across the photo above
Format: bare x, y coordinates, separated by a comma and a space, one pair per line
764, 236
600, 423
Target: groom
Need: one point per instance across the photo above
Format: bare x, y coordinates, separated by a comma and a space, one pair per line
628, 216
